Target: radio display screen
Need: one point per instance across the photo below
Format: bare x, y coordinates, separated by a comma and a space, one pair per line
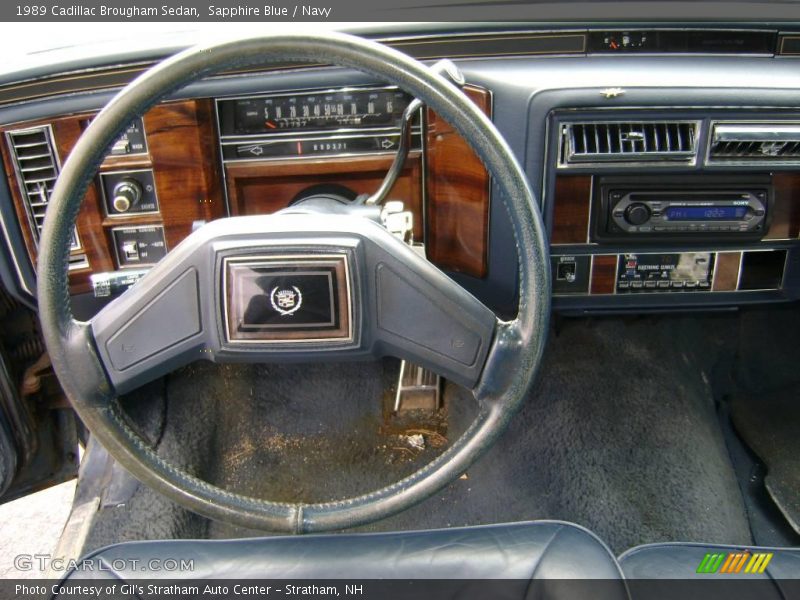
705, 213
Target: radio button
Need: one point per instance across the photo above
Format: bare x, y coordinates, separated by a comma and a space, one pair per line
637, 214
650, 284
637, 285
663, 284
677, 284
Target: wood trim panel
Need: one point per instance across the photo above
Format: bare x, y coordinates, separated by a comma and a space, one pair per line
786, 207
573, 196
182, 153
263, 187
604, 274
572, 201
726, 271
458, 196
186, 169
66, 131
94, 242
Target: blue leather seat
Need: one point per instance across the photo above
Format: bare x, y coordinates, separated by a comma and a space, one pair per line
648, 567
523, 552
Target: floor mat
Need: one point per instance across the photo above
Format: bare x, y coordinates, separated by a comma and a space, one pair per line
619, 435
771, 426
765, 406
180, 432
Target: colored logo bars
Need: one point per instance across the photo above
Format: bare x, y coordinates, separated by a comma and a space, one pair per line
734, 562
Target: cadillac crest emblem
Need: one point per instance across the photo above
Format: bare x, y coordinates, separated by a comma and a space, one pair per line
286, 300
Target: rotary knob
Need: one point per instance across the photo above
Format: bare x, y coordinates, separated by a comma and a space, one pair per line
637, 213
126, 194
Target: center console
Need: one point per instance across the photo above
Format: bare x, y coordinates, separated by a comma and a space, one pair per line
647, 212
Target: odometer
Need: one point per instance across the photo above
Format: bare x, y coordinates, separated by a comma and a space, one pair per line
346, 109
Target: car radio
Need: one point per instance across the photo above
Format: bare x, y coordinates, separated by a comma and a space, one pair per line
643, 210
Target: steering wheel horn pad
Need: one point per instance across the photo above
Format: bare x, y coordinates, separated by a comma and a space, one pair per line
395, 302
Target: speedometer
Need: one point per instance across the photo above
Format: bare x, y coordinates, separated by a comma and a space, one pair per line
316, 111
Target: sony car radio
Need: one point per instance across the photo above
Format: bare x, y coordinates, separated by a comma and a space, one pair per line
646, 209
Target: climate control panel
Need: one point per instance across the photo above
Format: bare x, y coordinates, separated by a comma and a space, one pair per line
684, 271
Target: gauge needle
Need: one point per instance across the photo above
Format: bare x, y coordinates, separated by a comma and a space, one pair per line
271, 125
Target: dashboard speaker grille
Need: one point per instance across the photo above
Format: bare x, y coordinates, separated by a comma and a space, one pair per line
628, 142
37, 169
755, 143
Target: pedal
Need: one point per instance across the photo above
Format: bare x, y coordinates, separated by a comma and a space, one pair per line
418, 388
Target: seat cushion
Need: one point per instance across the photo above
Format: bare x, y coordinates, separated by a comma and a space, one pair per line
712, 571
683, 561
544, 550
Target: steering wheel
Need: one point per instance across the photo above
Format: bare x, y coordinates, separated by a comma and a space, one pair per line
382, 298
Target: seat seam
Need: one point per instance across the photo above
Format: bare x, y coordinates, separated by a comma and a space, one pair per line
544, 552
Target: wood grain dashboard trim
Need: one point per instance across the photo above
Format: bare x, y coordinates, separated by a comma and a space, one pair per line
258, 187
182, 154
726, 271
604, 274
458, 196
572, 207
184, 157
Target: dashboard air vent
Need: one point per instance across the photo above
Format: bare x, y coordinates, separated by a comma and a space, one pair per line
628, 142
755, 143
37, 169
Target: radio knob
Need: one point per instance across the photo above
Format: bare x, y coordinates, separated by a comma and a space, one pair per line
126, 194
637, 213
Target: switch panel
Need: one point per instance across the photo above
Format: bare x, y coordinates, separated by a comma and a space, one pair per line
133, 141
570, 274
139, 246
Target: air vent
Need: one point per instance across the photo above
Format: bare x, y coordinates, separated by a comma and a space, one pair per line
755, 143
37, 169
628, 142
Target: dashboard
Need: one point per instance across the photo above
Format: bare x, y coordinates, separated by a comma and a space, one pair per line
666, 161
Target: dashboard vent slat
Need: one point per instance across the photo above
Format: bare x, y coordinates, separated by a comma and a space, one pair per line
755, 143
37, 169
593, 142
